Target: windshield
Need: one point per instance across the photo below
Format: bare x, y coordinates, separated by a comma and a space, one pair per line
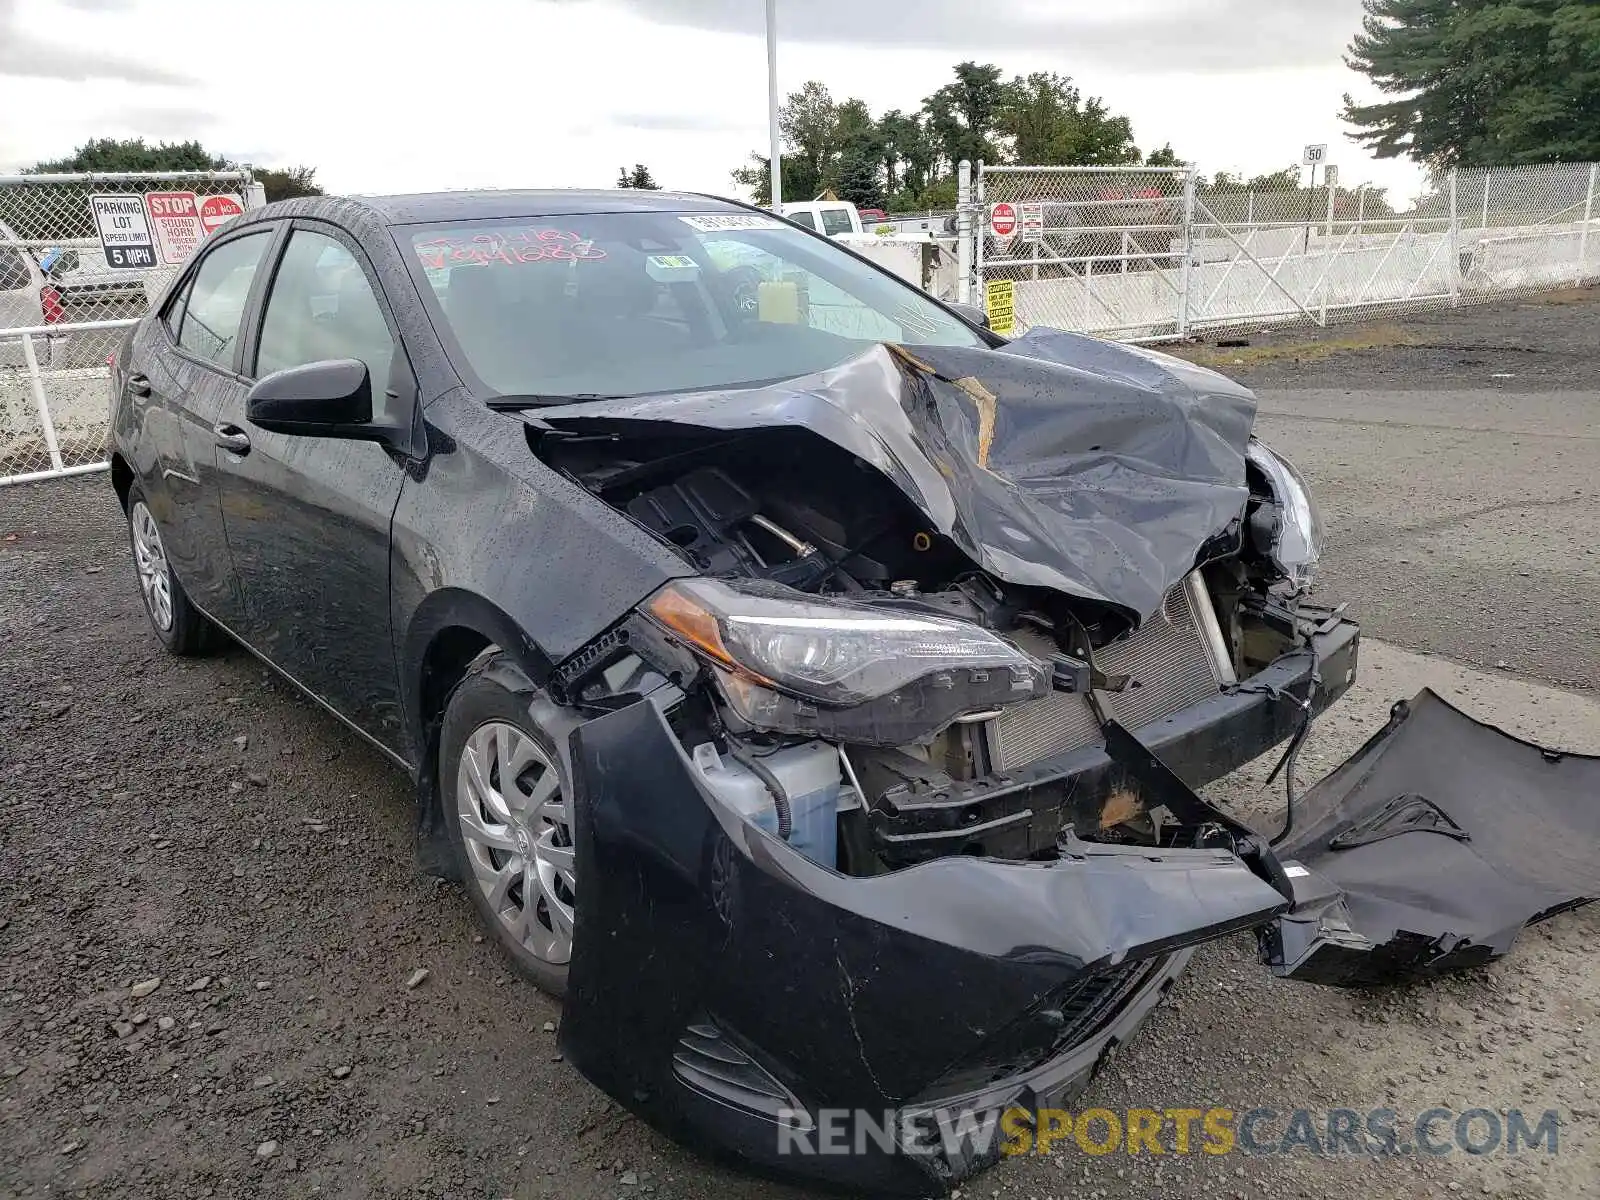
623, 304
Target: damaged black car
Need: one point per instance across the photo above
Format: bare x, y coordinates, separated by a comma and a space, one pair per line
806, 683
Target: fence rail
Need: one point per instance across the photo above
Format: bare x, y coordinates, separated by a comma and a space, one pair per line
64, 307
1147, 254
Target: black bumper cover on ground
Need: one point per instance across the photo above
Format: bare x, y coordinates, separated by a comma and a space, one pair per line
1430, 850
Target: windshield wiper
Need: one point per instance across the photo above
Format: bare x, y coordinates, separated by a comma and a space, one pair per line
518, 403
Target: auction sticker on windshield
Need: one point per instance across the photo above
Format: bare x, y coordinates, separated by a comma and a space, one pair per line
717, 222
124, 230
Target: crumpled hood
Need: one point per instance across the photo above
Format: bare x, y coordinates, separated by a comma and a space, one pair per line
1059, 461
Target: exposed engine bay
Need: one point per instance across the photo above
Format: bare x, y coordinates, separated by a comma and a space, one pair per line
932, 768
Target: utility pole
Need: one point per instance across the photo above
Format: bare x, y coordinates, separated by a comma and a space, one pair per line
772, 106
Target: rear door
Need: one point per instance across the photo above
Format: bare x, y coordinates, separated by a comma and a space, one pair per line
308, 517
185, 368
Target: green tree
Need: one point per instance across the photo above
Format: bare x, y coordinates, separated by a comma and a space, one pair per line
1051, 124
132, 154
756, 178
639, 177
962, 115
287, 183
1164, 157
1479, 83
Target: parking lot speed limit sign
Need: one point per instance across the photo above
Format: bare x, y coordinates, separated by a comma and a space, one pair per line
124, 230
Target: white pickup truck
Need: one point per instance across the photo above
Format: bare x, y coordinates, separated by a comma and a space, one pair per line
832, 218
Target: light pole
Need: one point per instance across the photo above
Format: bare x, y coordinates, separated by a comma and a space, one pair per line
772, 105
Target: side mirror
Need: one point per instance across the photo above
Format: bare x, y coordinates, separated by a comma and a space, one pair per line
971, 312
321, 399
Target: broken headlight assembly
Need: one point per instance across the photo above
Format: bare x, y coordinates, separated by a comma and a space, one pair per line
793, 663
1287, 530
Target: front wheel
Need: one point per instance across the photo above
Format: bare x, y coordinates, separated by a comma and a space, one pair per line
505, 800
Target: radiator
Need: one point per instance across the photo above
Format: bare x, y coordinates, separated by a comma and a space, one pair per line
1174, 661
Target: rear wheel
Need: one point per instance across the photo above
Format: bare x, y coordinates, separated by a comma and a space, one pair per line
505, 798
182, 628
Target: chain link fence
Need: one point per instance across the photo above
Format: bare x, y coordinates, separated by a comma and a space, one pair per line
1148, 255
64, 306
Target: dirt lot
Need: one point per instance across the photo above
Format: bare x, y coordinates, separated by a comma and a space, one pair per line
197, 824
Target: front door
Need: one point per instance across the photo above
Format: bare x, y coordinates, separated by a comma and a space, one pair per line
308, 518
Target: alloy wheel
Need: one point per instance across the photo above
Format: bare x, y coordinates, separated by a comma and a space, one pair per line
518, 836
150, 560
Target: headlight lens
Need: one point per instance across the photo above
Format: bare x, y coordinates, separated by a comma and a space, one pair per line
834, 653
1291, 537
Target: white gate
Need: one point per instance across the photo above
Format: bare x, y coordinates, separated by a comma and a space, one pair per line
64, 307
1143, 254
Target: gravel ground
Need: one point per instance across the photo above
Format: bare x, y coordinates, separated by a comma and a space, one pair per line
197, 824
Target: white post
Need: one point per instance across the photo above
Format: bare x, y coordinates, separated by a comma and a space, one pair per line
1250, 209
1588, 219
964, 231
1486, 175
1333, 192
255, 196
36, 381
1455, 237
772, 106
1188, 253
1361, 211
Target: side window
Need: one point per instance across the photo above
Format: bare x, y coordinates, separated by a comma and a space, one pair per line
321, 307
173, 317
835, 220
804, 218
13, 271
217, 298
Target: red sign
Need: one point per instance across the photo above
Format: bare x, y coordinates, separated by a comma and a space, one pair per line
1003, 219
216, 210
175, 219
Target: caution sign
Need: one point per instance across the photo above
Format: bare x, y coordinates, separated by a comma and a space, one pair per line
175, 217
124, 231
1000, 302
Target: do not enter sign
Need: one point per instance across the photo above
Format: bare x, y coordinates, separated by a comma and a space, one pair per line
1003, 219
215, 211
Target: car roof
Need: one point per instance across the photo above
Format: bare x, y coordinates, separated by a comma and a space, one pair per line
430, 207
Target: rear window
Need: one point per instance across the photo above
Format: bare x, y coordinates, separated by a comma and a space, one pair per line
625, 304
13, 270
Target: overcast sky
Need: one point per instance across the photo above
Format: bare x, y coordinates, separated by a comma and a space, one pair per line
398, 95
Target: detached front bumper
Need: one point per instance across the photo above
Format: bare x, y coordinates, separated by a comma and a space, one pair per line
737, 995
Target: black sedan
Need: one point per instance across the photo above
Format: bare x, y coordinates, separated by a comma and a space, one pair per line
801, 680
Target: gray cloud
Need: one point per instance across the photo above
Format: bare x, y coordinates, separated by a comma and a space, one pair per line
1191, 35
676, 123
26, 56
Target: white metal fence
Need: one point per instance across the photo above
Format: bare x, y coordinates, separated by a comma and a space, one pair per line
64, 307
1148, 254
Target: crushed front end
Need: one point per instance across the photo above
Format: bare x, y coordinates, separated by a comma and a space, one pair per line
889, 810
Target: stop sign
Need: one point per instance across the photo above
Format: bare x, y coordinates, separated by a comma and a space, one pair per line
215, 210
1003, 219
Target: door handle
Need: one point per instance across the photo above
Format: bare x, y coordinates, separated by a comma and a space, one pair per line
232, 439
139, 384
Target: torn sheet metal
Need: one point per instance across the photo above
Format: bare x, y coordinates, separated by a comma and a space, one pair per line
1103, 471
1432, 848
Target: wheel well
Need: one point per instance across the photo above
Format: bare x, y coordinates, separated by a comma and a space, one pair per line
121, 479
449, 655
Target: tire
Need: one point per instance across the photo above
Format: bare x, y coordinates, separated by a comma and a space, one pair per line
504, 790
182, 628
